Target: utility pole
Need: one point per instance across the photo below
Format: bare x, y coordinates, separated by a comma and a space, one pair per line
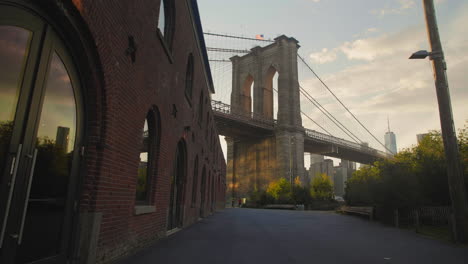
454, 172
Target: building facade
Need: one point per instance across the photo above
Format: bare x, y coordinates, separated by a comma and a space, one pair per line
107, 138
342, 174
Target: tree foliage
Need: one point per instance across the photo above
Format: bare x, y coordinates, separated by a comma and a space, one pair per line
322, 188
280, 190
413, 177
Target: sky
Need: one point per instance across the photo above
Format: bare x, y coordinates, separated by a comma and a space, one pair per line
360, 49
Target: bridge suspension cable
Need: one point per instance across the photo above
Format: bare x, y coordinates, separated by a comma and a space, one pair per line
310, 118
330, 116
306, 115
236, 37
331, 92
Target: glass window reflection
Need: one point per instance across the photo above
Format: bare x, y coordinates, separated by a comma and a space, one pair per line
162, 19
55, 143
56, 134
14, 47
142, 181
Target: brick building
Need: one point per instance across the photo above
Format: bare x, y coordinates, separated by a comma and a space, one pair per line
107, 138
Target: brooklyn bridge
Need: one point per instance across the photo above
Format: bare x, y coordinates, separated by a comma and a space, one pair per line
265, 84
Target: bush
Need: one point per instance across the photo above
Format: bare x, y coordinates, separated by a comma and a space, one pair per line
322, 188
280, 190
412, 178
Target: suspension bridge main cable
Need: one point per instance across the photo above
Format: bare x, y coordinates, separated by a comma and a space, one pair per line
236, 37
352, 138
328, 114
310, 118
326, 86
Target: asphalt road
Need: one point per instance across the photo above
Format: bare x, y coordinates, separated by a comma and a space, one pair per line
258, 236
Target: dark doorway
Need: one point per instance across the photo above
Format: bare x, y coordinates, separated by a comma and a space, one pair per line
203, 193
176, 203
40, 124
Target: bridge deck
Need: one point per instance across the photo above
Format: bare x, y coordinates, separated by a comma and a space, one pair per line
237, 125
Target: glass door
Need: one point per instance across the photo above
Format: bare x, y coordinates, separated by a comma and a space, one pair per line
39, 124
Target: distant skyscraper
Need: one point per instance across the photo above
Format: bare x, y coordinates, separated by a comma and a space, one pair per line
62, 137
420, 137
342, 174
318, 165
390, 141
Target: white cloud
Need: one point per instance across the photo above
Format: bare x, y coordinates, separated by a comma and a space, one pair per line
383, 45
324, 56
406, 4
387, 83
403, 5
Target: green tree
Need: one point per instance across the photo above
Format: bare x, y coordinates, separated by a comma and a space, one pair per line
300, 194
463, 147
398, 186
431, 169
413, 177
322, 188
280, 190
360, 188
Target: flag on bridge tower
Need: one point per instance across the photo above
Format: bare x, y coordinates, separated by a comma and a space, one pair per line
261, 37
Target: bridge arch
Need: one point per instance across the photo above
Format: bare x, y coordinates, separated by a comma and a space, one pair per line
270, 89
247, 94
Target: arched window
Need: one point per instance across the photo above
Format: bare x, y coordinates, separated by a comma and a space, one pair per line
200, 109
189, 78
143, 181
195, 182
149, 153
166, 21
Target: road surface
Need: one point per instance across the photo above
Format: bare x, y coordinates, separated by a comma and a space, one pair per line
238, 236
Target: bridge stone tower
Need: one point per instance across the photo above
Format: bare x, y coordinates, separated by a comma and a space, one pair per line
254, 162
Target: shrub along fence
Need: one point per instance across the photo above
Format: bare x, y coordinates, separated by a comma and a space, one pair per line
433, 215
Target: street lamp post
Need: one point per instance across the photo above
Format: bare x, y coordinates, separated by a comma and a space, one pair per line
454, 172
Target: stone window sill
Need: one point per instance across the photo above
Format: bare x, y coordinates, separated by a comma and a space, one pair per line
144, 209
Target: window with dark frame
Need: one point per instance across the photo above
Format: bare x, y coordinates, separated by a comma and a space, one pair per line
148, 159
200, 109
195, 182
166, 21
189, 78
142, 188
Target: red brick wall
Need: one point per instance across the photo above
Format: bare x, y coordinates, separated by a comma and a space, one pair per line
130, 90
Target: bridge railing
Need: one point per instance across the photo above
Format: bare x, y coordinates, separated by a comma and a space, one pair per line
224, 108
338, 141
